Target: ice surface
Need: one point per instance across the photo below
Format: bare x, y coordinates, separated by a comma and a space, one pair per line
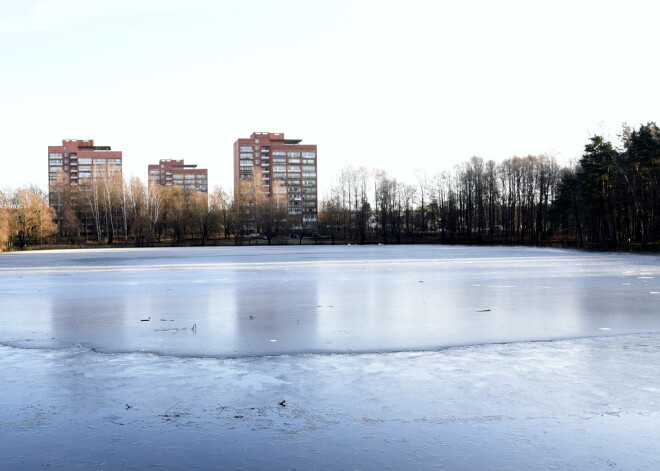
587, 404
386, 358
319, 299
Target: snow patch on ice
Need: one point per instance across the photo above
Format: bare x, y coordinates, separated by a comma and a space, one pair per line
572, 404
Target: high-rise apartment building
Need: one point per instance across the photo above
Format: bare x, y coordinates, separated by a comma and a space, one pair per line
77, 161
280, 169
176, 173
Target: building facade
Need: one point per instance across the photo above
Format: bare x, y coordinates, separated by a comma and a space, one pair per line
176, 173
78, 161
279, 169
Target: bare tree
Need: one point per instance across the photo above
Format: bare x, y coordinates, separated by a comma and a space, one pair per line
423, 185
223, 202
330, 216
138, 210
203, 215
33, 218
155, 202
5, 221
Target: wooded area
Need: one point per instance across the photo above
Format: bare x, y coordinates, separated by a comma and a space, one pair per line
609, 198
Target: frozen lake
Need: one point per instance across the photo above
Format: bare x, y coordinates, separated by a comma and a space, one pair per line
407, 357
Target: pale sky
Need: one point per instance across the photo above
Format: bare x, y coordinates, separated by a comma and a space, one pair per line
398, 85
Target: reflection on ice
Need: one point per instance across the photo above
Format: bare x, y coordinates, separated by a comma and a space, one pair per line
319, 299
273, 358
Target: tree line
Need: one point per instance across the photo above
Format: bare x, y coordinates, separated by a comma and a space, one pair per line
609, 197
612, 196
25, 217
479, 201
110, 210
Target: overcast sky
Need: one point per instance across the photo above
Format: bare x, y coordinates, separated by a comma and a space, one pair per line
398, 85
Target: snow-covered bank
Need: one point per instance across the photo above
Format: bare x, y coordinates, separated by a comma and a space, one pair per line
584, 404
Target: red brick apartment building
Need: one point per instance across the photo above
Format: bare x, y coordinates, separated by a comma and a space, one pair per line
77, 161
177, 173
280, 168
